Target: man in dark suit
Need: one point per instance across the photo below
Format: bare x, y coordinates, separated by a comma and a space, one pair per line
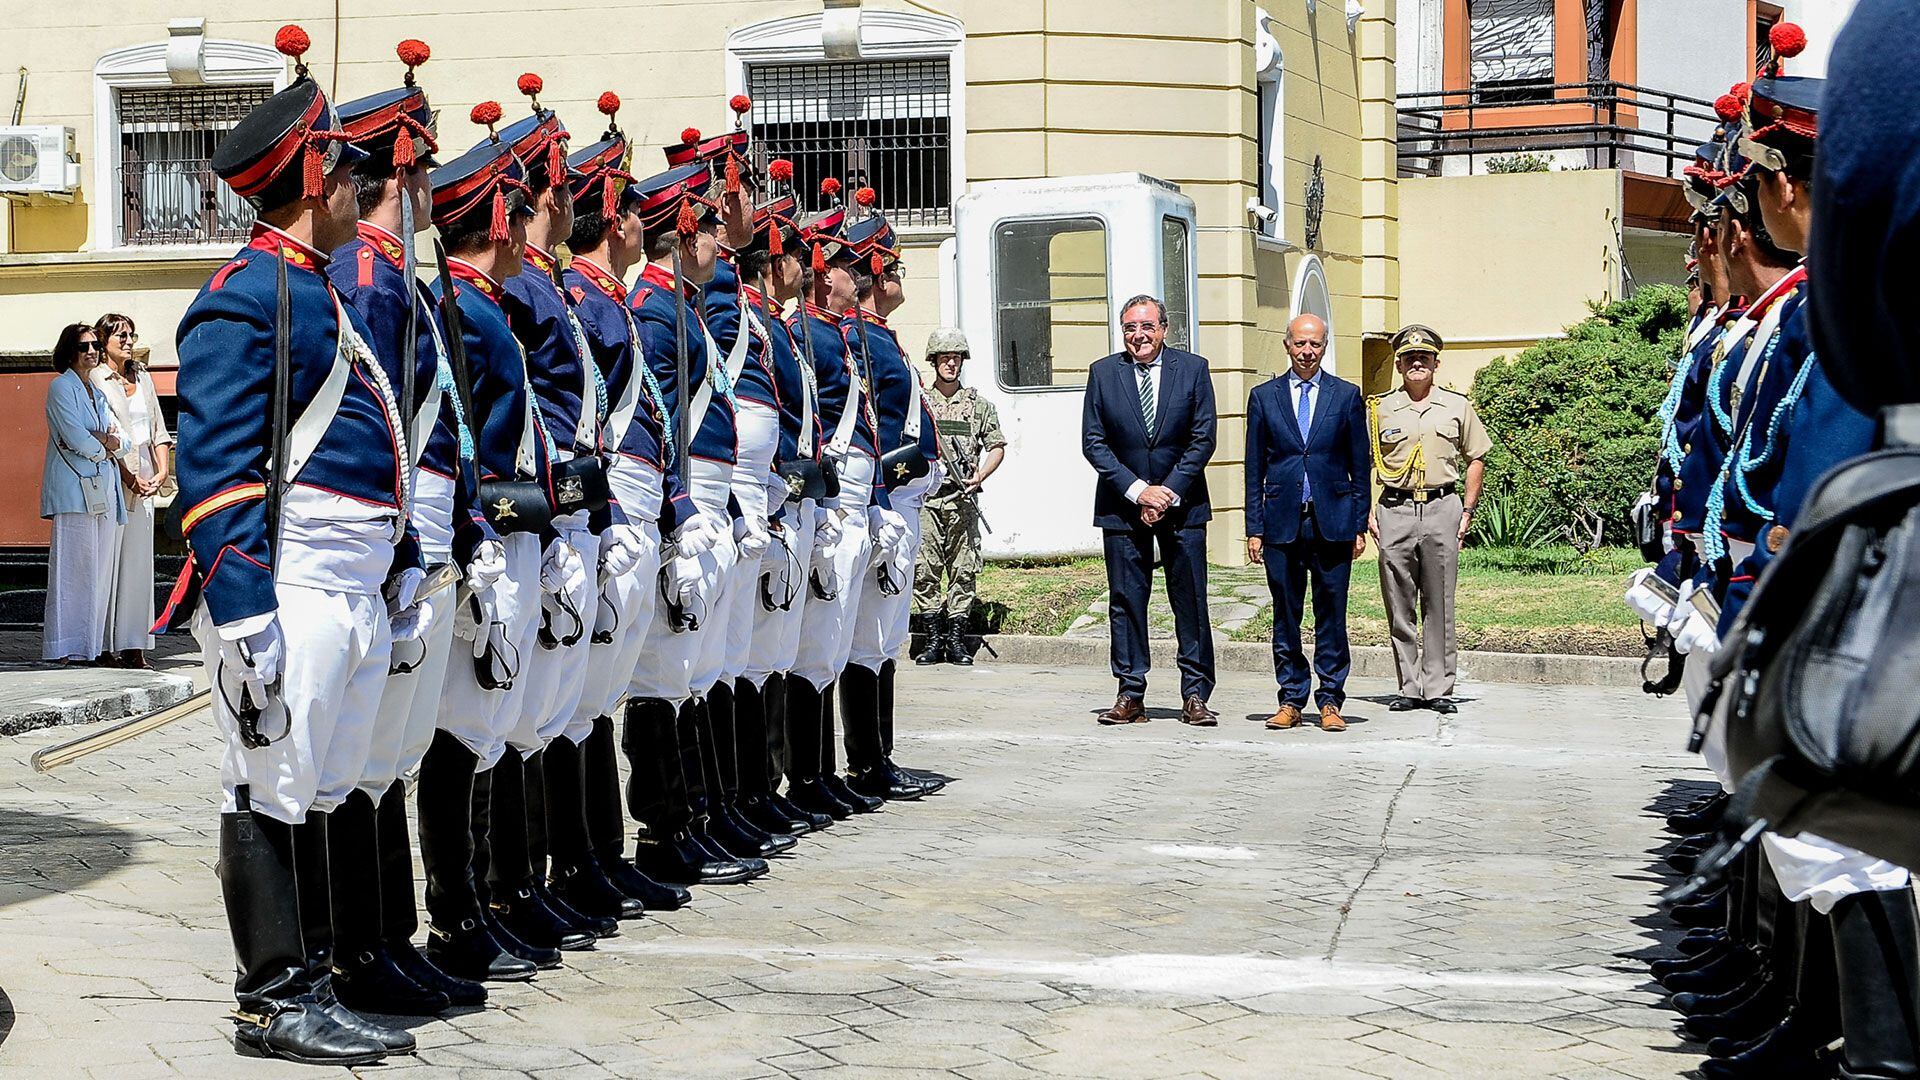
1309, 487
1148, 430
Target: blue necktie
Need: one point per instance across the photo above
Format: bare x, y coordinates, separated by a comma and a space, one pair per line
1303, 416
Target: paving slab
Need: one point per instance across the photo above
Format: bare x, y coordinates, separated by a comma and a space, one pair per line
1421, 896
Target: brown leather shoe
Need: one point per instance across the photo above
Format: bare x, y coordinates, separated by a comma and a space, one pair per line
1284, 717
1195, 712
1330, 718
1126, 710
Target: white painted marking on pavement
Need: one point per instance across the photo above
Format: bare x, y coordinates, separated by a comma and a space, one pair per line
1200, 851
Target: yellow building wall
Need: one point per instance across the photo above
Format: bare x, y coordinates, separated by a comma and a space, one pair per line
1497, 263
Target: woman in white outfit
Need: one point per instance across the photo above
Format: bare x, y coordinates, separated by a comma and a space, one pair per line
80, 494
146, 471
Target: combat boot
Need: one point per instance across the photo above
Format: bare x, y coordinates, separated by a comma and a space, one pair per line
935, 650
956, 643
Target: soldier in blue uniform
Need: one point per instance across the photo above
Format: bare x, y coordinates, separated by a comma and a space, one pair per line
606, 243
772, 271
666, 728
480, 207
377, 967
292, 526
843, 549
566, 399
909, 449
740, 352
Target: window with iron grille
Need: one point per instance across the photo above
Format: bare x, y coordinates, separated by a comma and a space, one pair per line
169, 193
884, 124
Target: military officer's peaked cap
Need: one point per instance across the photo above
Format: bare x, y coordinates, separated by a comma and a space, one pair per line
599, 172
1416, 338
487, 179
283, 150
676, 199
396, 125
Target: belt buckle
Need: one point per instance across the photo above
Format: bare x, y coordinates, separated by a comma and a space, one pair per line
1421, 495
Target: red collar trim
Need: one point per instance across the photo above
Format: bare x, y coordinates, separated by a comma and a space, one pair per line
384, 242
542, 259
601, 278
871, 318
823, 314
1781, 289
663, 277
473, 275
294, 251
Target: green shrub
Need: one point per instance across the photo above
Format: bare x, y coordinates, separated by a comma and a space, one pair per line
1575, 422
1505, 520
1520, 163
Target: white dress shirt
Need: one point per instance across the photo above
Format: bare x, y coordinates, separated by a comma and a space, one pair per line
1153, 367
1294, 383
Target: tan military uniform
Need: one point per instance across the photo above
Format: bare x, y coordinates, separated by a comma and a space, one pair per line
968, 427
1421, 449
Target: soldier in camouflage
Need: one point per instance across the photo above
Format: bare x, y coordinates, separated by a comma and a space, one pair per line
971, 444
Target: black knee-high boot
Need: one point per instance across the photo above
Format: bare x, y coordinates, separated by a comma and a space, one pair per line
510, 875
1792, 1047
399, 912
755, 804
929, 782
1876, 950
720, 759
867, 768
806, 726
539, 851
574, 873
278, 1013
458, 939
365, 976
607, 820
313, 877
829, 771
780, 756
667, 739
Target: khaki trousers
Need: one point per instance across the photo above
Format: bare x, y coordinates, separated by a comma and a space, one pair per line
1419, 567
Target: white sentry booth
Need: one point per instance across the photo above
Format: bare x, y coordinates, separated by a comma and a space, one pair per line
1035, 275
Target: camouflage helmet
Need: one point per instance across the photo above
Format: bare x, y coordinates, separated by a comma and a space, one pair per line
947, 339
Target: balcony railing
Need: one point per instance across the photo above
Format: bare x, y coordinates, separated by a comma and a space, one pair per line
1604, 125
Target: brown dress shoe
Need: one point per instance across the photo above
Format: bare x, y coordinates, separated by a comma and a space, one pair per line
1284, 717
1196, 713
1126, 710
1330, 718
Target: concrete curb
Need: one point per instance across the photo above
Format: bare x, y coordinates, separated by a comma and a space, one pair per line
1369, 661
156, 690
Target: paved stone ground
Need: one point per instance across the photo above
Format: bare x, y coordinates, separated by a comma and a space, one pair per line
1416, 898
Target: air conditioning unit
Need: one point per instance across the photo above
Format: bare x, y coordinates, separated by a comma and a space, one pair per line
38, 160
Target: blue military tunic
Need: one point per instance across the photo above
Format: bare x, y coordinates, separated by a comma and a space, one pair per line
1691, 448
652, 300
792, 386
370, 274
721, 300
502, 399
600, 302
566, 393
893, 380
226, 349
835, 368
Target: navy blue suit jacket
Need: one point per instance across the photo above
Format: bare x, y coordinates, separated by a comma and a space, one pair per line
1336, 459
1114, 438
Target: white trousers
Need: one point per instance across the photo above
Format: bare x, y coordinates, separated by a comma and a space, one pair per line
559, 673
712, 488
776, 633
80, 561
130, 608
410, 702
479, 718
758, 428
334, 668
828, 642
1695, 676
880, 626
669, 656
630, 602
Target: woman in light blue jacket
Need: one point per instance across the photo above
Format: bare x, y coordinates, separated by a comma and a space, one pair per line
80, 493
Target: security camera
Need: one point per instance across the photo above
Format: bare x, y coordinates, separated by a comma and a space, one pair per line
1259, 210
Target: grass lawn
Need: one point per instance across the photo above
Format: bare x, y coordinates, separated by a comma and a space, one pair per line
1549, 600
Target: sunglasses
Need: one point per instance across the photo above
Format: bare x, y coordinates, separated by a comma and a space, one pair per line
129, 336
89, 346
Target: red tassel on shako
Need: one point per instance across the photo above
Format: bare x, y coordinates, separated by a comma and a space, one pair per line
531, 85
774, 247
830, 187
487, 113
688, 222
609, 104
293, 41
819, 260
741, 104
1728, 108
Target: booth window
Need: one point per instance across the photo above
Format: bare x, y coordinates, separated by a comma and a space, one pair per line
168, 192
1051, 301
884, 124
1510, 43
1174, 275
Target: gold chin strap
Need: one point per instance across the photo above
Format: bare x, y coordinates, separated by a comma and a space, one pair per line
1416, 461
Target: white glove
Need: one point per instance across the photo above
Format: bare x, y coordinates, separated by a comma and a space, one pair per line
777, 490
826, 527
412, 621
684, 576
561, 569
250, 667
489, 565
1690, 629
695, 537
751, 538
1647, 602
889, 532
404, 588
623, 549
